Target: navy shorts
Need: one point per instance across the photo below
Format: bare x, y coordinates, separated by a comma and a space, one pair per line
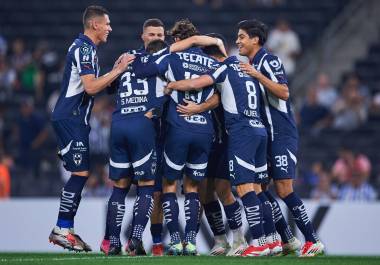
247, 158
188, 151
218, 162
133, 149
282, 157
73, 144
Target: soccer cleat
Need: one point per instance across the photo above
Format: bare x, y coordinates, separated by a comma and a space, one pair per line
256, 251
220, 249
190, 249
158, 250
238, 247
275, 248
175, 249
107, 248
311, 249
293, 246
67, 239
274, 244
135, 247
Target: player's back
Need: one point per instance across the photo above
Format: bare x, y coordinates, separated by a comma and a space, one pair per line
190, 63
279, 117
240, 96
74, 103
136, 96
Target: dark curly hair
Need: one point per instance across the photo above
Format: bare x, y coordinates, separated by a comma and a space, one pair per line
183, 29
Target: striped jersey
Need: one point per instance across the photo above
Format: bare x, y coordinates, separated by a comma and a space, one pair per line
73, 102
240, 95
279, 117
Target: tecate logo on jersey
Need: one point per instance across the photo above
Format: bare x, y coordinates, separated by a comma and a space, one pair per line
199, 119
133, 109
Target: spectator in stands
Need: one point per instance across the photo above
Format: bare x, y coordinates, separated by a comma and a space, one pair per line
326, 92
284, 43
31, 133
3, 46
349, 162
324, 191
19, 57
8, 80
357, 189
350, 110
313, 116
5, 176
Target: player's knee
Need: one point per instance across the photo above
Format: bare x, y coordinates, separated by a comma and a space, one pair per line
243, 189
81, 173
121, 183
257, 188
284, 188
146, 182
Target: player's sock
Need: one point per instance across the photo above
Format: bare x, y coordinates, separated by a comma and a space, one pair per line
268, 223
156, 231
214, 216
115, 214
192, 208
233, 214
282, 226
142, 210
70, 198
301, 218
254, 215
171, 212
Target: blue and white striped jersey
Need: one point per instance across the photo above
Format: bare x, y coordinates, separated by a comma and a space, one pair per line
190, 63
73, 102
135, 96
240, 96
279, 118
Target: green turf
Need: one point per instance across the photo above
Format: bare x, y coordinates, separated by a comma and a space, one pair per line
95, 259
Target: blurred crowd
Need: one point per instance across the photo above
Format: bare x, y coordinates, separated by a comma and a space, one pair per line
30, 84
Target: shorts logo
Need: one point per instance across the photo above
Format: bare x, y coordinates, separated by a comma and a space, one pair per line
139, 173
262, 176
153, 168
77, 157
198, 173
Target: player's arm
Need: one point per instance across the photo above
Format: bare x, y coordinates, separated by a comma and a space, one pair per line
197, 41
279, 90
93, 85
192, 108
190, 84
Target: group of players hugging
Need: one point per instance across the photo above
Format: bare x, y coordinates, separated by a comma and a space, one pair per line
184, 112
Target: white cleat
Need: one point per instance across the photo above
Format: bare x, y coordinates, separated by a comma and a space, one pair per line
219, 249
237, 248
293, 246
310, 249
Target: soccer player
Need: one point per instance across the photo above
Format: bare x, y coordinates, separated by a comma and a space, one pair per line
188, 140
217, 179
246, 139
283, 135
133, 153
70, 118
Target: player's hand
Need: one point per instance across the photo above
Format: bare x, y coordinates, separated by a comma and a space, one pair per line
249, 69
118, 61
149, 114
125, 60
167, 89
220, 44
189, 109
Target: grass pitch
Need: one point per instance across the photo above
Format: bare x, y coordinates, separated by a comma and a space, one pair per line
95, 259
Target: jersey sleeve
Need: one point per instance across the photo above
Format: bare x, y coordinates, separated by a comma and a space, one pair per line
219, 74
83, 56
162, 64
273, 69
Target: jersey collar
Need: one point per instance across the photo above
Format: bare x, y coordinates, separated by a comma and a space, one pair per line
260, 53
87, 40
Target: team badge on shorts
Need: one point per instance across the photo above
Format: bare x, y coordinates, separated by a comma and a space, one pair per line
77, 157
